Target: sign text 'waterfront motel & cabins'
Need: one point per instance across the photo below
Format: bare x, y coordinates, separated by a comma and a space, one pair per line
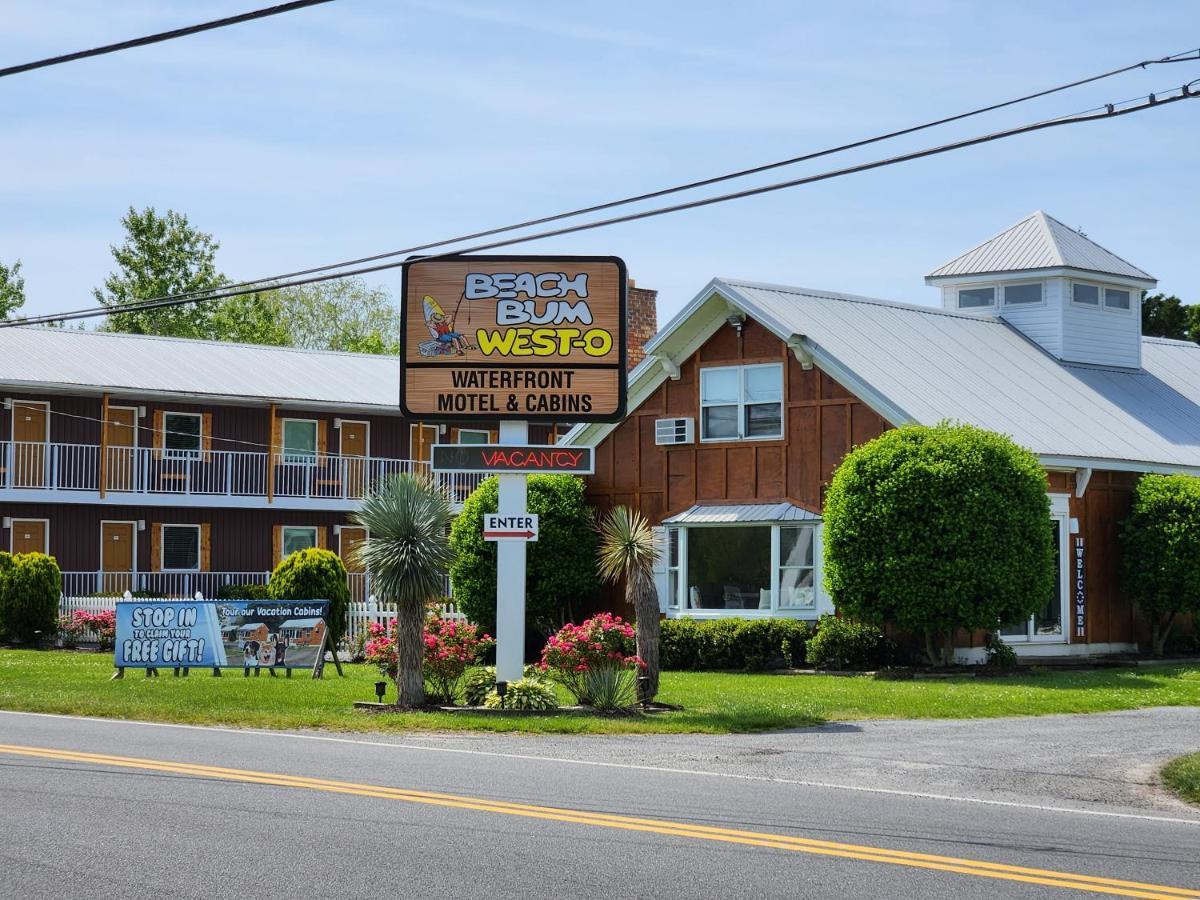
748, 399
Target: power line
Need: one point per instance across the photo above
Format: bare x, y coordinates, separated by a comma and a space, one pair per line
161, 36
269, 282
1107, 112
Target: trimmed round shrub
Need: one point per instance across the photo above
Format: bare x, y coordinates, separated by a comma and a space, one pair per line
843, 645
314, 574
560, 564
1161, 543
939, 528
30, 588
531, 694
751, 645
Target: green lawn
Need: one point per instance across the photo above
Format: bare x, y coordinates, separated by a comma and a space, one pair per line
78, 683
1183, 777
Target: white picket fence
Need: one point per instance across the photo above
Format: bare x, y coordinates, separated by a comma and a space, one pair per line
359, 616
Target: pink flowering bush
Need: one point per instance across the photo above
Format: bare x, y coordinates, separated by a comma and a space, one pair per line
103, 624
450, 649
601, 650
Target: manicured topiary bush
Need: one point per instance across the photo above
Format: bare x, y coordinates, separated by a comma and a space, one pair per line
30, 588
746, 644
939, 528
841, 644
560, 564
314, 574
1161, 544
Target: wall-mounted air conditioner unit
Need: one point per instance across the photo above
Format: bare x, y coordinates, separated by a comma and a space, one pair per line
674, 431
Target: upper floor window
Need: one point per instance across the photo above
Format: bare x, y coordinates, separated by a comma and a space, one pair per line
1015, 294
1117, 299
976, 298
473, 436
741, 402
299, 440
182, 433
1085, 294
180, 548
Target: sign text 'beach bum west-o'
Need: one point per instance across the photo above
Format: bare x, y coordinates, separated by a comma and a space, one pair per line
530, 338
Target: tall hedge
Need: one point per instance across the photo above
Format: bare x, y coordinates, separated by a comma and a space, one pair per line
560, 565
1161, 543
939, 528
30, 588
314, 574
6, 565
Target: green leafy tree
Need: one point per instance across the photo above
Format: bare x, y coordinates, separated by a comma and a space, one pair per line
560, 564
315, 574
30, 585
1161, 543
1164, 316
12, 289
936, 529
251, 319
161, 255
628, 551
407, 554
346, 314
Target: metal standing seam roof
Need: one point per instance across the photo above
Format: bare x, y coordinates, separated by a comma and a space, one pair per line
1038, 241
927, 365
745, 512
55, 356
301, 623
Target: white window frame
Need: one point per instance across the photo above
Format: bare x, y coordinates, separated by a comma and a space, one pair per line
742, 404
1099, 304
298, 460
777, 584
284, 529
162, 545
678, 607
1041, 301
1116, 309
487, 435
178, 452
1060, 512
673, 602
976, 287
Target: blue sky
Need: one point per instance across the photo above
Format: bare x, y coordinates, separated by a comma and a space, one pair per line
364, 126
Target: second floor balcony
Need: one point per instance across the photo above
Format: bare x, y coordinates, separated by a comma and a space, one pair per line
85, 473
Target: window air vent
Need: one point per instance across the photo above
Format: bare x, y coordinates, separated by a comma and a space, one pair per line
674, 431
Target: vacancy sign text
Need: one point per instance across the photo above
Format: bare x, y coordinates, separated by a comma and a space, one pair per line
497, 527
517, 459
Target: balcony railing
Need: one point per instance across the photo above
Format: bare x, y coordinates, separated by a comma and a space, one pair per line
185, 584
122, 471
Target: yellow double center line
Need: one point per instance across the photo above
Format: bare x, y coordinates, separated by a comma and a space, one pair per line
978, 868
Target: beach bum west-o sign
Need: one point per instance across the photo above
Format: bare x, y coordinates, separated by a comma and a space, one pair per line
531, 338
219, 633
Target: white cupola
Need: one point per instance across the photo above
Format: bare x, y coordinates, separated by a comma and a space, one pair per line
1058, 287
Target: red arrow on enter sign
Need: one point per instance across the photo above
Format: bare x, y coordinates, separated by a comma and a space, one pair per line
508, 534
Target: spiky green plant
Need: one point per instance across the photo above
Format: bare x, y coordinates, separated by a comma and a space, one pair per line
407, 551
628, 549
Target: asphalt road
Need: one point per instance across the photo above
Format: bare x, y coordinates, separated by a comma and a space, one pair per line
116, 809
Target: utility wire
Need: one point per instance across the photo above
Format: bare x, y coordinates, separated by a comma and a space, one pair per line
161, 36
269, 282
1108, 112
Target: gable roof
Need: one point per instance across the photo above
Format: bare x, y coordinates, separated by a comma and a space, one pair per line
57, 357
1038, 241
921, 364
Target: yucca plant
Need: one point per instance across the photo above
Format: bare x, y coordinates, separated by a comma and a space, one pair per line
628, 549
407, 552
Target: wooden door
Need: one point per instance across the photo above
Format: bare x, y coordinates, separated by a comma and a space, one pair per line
31, 432
421, 439
354, 457
351, 538
116, 556
122, 438
30, 536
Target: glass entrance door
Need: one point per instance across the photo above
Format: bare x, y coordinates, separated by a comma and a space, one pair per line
1047, 623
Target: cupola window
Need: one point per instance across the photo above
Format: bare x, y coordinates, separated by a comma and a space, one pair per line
976, 298
1085, 294
1115, 299
1015, 294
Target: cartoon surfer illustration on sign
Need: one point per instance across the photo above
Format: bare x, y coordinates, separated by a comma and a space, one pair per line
441, 327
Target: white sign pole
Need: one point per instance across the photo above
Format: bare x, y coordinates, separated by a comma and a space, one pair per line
510, 569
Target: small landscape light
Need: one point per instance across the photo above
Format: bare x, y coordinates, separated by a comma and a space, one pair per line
501, 690
380, 690
644, 690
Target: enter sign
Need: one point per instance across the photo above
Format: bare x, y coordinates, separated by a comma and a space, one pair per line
497, 527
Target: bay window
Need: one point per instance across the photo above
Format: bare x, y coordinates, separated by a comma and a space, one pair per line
741, 402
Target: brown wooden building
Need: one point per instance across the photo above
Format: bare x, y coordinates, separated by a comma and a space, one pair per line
749, 398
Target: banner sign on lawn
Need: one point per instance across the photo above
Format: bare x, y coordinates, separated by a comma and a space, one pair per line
219, 633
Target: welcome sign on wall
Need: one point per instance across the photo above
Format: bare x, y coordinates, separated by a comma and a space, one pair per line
529, 338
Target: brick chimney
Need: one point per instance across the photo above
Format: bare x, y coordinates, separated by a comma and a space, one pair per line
642, 309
